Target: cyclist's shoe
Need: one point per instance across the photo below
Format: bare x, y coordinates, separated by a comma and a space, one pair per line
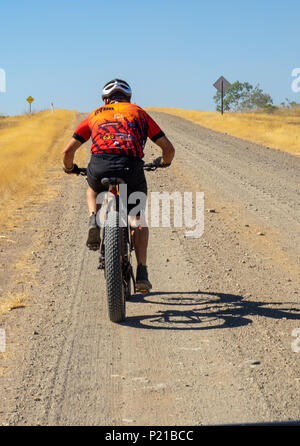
93, 240
142, 282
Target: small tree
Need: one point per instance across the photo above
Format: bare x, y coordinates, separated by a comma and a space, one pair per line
258, 99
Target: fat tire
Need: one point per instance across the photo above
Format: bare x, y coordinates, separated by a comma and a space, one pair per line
125, 255
113, 269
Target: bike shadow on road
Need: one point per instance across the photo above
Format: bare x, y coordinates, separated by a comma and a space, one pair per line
203, 310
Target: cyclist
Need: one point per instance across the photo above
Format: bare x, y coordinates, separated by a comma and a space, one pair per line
118, 131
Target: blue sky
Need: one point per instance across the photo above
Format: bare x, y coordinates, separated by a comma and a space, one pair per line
170, 51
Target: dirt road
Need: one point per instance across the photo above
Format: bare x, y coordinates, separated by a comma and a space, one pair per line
213, 343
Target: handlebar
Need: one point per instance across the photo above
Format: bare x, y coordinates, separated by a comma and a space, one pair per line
150, 167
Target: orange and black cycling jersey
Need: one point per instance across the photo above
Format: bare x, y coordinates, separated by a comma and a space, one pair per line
120, 128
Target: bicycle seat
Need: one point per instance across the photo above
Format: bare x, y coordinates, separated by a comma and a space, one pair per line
112, 180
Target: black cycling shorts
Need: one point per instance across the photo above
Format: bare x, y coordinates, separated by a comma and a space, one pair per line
114, 165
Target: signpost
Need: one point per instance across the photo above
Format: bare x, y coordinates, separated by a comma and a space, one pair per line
222, 86
30, 100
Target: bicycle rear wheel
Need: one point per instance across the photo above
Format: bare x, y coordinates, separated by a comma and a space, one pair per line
113, 269
126, 265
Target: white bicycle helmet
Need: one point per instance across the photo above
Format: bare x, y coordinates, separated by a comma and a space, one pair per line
116, 86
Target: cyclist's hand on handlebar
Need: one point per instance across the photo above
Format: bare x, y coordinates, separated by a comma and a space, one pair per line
75, 170
158, 162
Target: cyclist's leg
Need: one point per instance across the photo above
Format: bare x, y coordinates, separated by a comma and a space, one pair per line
140, 237
139, 230
91, 197
137, 185
94, 188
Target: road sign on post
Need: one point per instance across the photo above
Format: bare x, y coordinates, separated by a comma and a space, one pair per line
222, 86
30, 100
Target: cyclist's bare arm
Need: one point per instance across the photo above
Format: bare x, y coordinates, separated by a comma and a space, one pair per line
69, 152
167, 148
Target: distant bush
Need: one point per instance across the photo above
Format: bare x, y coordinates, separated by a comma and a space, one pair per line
269, 108
285, 109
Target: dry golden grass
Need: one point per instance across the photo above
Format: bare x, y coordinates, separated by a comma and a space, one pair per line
30, 170
30, 158
280, 130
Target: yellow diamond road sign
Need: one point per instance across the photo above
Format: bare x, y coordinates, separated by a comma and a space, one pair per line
30, 99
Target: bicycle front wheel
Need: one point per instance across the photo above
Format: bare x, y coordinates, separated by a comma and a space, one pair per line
113, 269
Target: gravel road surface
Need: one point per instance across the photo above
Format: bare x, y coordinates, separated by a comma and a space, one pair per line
216, 340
